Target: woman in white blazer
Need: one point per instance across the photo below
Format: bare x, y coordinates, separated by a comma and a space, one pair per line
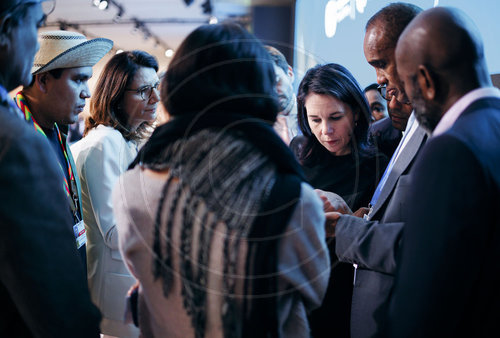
122, 109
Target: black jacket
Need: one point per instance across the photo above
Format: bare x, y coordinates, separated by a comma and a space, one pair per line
43, 290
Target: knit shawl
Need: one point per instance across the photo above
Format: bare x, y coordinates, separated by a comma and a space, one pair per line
231, 170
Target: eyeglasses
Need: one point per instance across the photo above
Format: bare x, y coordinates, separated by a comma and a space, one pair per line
382, 89
146, 91
48, 6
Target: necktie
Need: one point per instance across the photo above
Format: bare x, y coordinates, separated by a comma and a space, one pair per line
387, 171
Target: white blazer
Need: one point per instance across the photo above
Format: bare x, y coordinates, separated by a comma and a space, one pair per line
101, 157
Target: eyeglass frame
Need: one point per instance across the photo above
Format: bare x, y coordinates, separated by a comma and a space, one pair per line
382, 89
16, 7
143, 90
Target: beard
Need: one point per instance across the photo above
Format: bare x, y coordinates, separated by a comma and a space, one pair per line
428, 113
286, 103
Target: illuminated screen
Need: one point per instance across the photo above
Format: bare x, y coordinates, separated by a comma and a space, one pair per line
333, 31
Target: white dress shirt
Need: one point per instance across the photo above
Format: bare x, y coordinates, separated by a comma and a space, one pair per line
458, 107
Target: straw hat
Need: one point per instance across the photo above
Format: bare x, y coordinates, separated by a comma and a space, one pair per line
65, 49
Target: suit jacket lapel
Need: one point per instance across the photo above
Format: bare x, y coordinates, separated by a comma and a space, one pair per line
405, 157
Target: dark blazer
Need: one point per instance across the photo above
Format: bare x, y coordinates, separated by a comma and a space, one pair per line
43, 291
64, 128
383, 136
448, 277
372, 245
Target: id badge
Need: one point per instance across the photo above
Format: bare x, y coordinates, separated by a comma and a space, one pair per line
80, 234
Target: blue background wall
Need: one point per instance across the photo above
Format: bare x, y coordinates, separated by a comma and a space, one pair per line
312, 46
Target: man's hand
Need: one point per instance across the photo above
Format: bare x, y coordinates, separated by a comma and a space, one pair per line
361, 212
331, 223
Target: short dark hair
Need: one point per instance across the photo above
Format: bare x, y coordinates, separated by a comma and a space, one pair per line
278, 58
395, 17
6, 5
56, 74
221, 67
105, 102
373, 86
336, 81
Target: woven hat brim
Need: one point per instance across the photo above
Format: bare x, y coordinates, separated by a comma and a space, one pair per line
86, 54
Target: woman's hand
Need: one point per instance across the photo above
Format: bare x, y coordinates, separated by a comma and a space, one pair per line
333, 202
333, 206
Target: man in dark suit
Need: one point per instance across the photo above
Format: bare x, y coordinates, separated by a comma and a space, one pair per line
382, 134
378, 105
447, 282
42, 287
370, 244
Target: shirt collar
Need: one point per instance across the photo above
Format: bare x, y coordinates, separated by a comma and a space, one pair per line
409, 124
459, 107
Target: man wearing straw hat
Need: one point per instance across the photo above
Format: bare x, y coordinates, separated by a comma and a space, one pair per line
42, 287
55, 98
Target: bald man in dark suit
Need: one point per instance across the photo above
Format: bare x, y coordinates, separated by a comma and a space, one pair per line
448, 277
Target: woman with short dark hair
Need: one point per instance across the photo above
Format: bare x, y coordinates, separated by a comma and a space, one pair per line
122, 108
214, 219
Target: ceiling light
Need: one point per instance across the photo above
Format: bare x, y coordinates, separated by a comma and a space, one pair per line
101, 4
169, 53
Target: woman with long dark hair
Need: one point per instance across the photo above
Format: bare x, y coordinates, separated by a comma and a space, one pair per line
334, 117
214, 218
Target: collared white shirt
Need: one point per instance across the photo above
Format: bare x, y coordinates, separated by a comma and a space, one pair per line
411, 126
458, 107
